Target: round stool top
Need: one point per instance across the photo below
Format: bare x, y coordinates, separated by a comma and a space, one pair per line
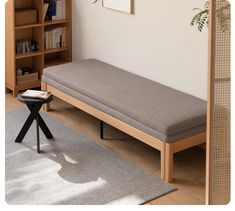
28, 100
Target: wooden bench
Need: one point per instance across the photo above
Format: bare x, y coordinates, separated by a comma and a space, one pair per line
162, 117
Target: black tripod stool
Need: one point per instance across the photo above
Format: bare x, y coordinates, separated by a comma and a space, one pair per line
34, 105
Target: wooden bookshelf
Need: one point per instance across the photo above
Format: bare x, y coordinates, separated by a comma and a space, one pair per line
36, 60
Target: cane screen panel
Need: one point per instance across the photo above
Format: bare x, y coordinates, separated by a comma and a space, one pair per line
219, 143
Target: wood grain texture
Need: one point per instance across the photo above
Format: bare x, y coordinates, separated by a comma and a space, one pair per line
169, 153
10, 76
189, 142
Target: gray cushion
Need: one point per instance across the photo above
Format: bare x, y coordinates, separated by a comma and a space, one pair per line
166, 111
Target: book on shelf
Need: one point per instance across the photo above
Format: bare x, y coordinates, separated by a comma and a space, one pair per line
25, 46
55, 38
45, 9
51, 10
60, 10
36, 94
55, 10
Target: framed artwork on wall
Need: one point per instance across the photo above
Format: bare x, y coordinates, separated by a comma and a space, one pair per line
126, 6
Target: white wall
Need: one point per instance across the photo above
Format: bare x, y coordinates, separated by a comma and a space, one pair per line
157, 42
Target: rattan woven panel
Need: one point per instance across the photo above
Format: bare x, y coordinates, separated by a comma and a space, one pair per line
219, 149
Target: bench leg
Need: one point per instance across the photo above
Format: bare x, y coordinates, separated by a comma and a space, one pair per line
46, 106
162, 164
169, 162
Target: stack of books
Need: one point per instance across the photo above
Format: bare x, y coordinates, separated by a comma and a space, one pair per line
55, 38
36, 94
25, 46
55, 10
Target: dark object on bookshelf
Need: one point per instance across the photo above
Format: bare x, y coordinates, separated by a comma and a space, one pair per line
55, 10
45, 9
34, 105
26, 74
48, 16
51, 12
34, 46
26, 70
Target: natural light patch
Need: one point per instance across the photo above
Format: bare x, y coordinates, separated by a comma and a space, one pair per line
53, 155
69, 159
41, 146
59, 189
17, 152
37, 175
25, 150
41, 169
66, 191
131, 199
38, 166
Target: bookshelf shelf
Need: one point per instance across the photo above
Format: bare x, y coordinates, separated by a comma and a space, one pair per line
30, 32
55, 22
26, 55
28, 26
55, 50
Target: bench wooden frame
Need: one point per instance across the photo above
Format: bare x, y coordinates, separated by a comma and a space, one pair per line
167, 150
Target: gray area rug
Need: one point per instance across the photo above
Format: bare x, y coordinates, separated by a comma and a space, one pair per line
71, 170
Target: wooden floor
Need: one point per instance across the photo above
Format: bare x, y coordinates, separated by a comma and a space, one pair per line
189, 165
